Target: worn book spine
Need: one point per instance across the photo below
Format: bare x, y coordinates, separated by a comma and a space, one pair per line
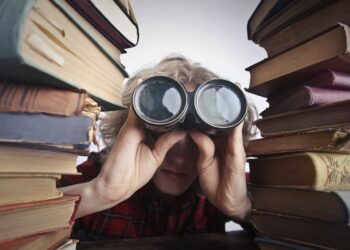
47, 129
323, 140
329, 115
306, 28
39, 99
307, 96
273, 75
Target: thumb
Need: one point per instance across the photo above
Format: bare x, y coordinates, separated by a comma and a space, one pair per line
166, 142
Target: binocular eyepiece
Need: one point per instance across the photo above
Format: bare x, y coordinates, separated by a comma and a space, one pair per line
213, 107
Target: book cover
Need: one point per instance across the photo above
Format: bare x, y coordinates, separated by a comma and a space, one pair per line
111, 19
23, 187
335, 114
31, 218
39, 99
302, 230
273, 75
306, 96
311, 170
40, 45
306, 28
335, 140
20, 159
46, 129
328, 79
41, 241
296, 10
327, 206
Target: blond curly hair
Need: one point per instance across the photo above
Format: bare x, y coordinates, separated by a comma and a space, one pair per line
180, 69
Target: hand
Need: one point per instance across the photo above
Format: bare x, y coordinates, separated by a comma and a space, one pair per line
221, 169
131, 163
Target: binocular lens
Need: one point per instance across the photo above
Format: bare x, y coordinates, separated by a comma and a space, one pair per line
159, 101
219, 104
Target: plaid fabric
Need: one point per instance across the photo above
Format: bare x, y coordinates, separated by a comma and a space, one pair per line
146, 213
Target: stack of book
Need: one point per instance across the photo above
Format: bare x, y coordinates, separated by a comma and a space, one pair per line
54, 56
300, 168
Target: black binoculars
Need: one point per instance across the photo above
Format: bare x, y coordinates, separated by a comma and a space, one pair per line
213, 107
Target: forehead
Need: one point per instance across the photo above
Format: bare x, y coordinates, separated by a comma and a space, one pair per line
190, 86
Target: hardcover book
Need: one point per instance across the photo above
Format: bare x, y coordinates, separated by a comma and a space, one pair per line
327, 206
19, 159
19, 188
320, 140
302, 230
294, 11
335, 114
307, 96
112, 18
40, 45
328, 79
307, 27
318, 171
72, 132
275, 74
48, 241
31, 218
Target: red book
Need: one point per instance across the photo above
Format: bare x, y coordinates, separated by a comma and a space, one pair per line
31, 218
114, 19
306, 96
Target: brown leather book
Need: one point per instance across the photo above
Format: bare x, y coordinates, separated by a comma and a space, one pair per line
273, 75
39, 99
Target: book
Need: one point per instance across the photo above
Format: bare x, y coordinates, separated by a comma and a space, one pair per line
297, 229
49, 241
267, 243
327, 206
19, 159
295, 10
113, 19
311, 170
28, 187
110, 50
306, 96
264, 11
39, 99
47, 48
306, 28
335, 140
335, 114
274, 75
328, 79
31, 218
65, 133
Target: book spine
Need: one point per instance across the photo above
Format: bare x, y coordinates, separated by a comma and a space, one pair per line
39, 128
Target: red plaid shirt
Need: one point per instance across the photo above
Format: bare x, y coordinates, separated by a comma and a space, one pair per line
145, 214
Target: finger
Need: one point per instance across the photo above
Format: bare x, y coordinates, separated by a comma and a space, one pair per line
205, 146
166, 142
235, 141
132, 131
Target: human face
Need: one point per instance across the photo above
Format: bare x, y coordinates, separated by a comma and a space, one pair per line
179, 167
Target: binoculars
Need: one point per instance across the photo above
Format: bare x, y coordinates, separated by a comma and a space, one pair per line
215, 106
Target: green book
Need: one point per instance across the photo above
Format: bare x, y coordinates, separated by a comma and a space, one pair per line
39, 44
